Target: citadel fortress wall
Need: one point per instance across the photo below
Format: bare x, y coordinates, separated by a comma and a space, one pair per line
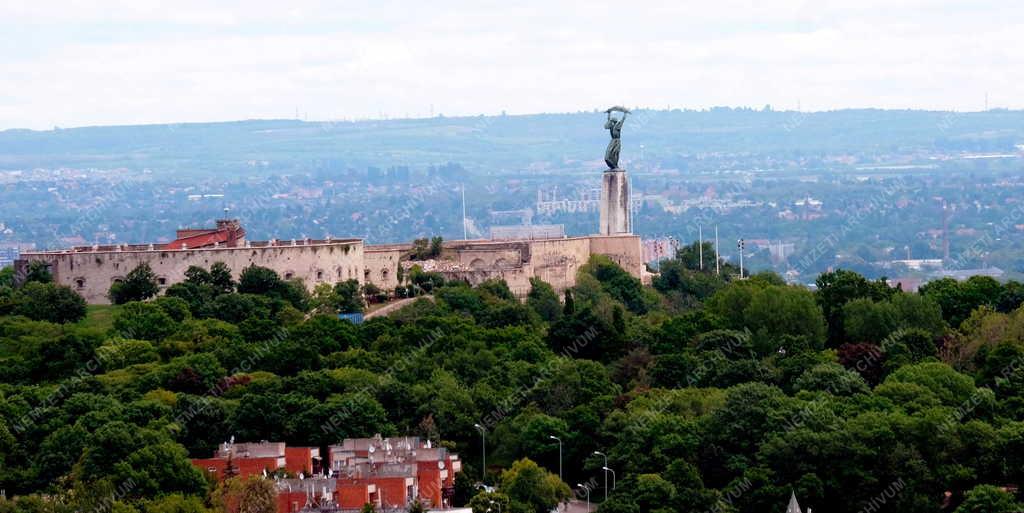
92, 270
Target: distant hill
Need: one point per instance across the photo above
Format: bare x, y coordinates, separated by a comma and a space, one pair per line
497, 143
505, 141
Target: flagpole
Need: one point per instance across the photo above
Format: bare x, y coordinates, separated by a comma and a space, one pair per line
717, 256
700, 245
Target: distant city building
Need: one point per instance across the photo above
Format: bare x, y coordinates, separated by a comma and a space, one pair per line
8, 256
918, 264
659, 249
548, 202
778, 251
10, 251
905, 284
808, 202
964, 274
913, 283
523, 216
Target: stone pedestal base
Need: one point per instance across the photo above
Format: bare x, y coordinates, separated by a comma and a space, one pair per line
615, 212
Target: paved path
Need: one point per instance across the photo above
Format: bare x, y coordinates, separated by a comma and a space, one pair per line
392, 307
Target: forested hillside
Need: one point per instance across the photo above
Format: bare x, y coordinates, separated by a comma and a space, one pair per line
706, 393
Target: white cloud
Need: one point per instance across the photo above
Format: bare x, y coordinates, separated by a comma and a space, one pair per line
80, 63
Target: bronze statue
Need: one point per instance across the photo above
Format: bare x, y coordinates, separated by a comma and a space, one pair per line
614, 127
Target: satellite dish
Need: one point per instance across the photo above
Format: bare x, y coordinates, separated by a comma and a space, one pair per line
372, 449
440, 464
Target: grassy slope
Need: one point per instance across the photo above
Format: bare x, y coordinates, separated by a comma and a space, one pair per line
100, 317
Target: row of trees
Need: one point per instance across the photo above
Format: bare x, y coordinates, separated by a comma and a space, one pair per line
201, 287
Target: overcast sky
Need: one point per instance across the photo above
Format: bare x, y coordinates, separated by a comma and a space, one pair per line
101, 63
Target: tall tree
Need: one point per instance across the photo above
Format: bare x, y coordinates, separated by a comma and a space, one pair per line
38, 272
220, 278
835, 289
528, 484
543, 300
347, 297
252, 495
138, 285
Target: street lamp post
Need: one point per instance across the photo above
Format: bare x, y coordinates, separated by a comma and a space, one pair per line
599, 453
741, 245
586, 489
553, 437
613, 476
483, 449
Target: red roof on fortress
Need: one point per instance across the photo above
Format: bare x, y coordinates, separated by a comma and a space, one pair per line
229, 232
201, 241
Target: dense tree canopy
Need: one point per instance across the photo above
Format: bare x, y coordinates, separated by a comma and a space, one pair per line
706, 392
47, 302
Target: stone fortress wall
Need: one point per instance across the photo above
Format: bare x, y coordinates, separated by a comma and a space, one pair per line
555, 261
92, 270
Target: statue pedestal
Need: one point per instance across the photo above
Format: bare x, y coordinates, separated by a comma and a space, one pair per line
616, 218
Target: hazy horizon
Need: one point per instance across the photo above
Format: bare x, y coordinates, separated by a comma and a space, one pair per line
442, 115
107, 64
